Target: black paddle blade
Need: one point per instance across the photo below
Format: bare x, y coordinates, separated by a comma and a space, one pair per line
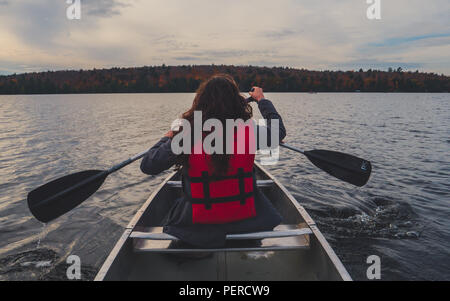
345, 167
62, 195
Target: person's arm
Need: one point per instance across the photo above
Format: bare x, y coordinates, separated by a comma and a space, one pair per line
269, 113
159, 158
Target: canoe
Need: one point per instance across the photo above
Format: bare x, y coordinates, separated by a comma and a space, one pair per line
294, 251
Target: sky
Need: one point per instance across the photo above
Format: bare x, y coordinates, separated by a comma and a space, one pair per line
36, 35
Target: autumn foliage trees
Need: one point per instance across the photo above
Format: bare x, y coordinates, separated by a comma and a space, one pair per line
160, 79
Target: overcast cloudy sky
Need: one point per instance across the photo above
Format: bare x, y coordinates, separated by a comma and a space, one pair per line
35, 35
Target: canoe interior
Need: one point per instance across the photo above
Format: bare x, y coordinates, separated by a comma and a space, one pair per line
316, 263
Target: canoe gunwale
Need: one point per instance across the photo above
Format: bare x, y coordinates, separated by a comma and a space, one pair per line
113, 255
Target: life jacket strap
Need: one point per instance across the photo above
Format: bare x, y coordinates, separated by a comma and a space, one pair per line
206, 179
215, 178
206, 195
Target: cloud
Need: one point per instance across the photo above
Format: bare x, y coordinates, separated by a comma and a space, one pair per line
43, 23
104, 8
306, 34
280, 34
402, 40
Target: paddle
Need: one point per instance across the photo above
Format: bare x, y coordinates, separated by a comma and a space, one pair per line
62, 195
345, 167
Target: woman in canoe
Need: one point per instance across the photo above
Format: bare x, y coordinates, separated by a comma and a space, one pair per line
220, 192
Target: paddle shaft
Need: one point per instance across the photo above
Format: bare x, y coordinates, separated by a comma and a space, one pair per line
292, 148
126, 162
96, 177
308, 155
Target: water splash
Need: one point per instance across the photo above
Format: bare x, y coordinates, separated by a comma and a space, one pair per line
28, 265
389, 219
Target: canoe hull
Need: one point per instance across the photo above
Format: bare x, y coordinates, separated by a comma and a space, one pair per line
317, 262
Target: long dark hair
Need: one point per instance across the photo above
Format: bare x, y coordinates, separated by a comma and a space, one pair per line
219, 98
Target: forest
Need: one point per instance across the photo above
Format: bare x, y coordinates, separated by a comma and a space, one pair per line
162, 79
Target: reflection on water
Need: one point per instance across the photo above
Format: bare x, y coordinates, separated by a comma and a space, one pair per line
401, 215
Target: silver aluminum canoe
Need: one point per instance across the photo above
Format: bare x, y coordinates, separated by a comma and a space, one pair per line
300, 258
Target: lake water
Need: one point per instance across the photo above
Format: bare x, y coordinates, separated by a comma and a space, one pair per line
402, 215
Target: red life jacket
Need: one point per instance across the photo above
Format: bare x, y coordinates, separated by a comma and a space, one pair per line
226, 198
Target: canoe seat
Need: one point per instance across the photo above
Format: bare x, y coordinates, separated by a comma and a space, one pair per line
260, 183
284, 237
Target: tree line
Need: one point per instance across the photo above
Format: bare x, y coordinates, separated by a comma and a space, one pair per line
161, 79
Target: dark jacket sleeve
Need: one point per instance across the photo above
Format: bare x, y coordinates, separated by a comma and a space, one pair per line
269, 112
159, 158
